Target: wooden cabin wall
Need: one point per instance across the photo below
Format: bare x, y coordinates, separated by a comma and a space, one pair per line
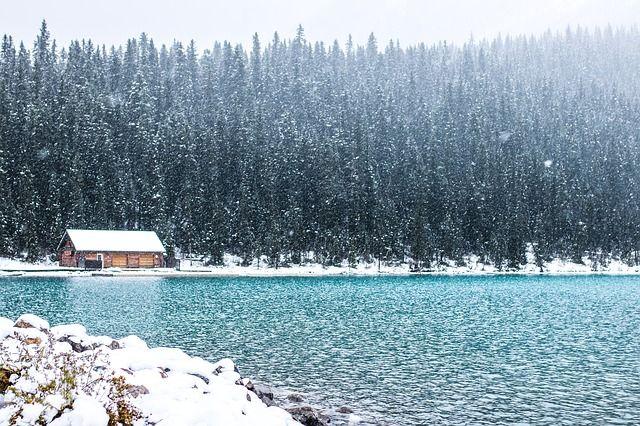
67, 256
114, 259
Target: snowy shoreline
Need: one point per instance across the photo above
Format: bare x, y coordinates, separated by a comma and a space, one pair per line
232, 268
63, 376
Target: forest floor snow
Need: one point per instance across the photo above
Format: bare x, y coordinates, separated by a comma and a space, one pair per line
63, 376
232, 267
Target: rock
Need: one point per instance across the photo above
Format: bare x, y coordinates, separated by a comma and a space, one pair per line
59, 331
86, 411
80, 345
62, 347
103, 341
267, 401
225, 364
344, 410
308, 416
32, 340
201, 377
246, 383
5, 323
137, 390
30, 336
263, 390
131, 342
295, 397
264, 393
75, 343
31, 321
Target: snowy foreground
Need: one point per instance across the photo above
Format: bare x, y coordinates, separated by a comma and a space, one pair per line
232, 267
62, 376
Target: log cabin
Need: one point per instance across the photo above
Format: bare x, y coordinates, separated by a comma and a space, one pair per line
98, 249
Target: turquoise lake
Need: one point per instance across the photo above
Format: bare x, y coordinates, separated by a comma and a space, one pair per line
396, 350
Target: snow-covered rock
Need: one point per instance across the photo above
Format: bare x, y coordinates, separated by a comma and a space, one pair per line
130, 342
31, 321
5, 323
68, 330
63, 376
85, 411
6, 327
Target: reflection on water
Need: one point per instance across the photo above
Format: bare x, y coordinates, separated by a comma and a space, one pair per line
396, 350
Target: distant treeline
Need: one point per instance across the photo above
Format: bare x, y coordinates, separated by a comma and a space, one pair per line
345, 151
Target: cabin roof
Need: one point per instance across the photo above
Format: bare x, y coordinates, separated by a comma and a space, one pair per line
119, 241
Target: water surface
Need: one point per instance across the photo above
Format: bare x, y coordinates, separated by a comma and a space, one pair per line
397, 350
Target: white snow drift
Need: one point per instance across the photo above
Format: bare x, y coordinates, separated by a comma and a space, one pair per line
62, 376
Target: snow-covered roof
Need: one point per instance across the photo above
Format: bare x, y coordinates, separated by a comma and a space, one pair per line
101, 240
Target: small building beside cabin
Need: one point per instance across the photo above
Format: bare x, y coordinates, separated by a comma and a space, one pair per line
97, 249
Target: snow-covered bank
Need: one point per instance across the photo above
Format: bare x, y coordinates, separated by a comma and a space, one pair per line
20, 264
62, 376
471, 265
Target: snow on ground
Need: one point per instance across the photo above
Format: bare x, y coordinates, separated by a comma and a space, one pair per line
232, 267
17, 264
62, 376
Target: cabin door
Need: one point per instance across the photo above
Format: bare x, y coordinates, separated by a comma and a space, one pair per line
101, 260
133, 260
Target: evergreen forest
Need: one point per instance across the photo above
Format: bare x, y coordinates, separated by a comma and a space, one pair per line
303, 151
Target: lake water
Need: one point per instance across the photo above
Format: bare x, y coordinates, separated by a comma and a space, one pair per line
396, 350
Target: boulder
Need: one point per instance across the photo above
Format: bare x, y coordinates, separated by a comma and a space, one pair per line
5, 323
75, 343
133, 342
104, 341
225, 365
295, 397
79, 344
344, 410
30, 336
59, 331
264, 393
201, 377
31, 321
247, 383
308, 416
137, 390
86, 411
32, 340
